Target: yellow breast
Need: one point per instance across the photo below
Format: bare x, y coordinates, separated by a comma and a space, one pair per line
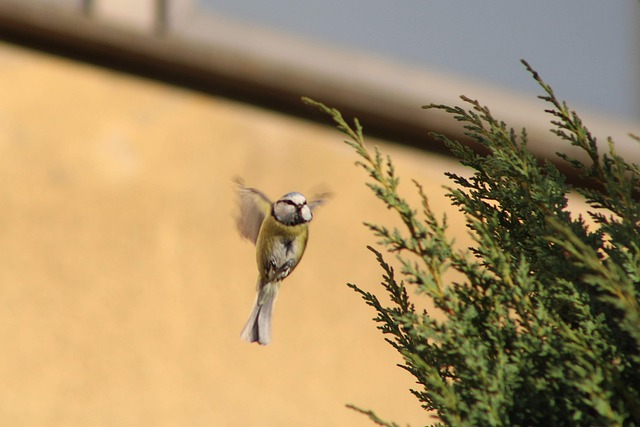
279, 245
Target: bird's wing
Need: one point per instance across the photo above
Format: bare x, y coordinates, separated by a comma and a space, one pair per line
254, 207
319, 200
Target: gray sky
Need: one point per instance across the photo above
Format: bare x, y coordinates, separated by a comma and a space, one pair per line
588, 50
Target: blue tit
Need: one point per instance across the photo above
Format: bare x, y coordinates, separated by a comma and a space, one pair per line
280, 231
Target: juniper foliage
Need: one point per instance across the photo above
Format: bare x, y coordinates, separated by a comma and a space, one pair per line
545, 327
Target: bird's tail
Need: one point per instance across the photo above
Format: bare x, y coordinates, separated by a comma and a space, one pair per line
258, 327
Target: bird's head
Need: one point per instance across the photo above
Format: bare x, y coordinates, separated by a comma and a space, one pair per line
292, 209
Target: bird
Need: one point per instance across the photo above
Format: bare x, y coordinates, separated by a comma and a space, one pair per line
280, 232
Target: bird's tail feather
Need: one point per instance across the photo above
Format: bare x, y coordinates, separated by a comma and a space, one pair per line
258, 327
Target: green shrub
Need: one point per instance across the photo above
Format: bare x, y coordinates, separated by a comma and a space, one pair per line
545, 327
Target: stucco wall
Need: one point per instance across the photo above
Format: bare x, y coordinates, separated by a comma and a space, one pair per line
124, 285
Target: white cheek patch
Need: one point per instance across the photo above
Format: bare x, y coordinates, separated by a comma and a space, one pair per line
305, 213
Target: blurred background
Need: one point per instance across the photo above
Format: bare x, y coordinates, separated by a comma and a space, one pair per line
123, 283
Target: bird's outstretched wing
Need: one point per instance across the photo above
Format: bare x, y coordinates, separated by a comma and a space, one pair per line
254, 207
319, 200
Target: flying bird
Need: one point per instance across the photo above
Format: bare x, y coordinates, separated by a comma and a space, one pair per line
280, 231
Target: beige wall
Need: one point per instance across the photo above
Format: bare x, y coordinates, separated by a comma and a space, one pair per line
124, 286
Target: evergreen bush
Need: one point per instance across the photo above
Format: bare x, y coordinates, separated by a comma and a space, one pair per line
544, 329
